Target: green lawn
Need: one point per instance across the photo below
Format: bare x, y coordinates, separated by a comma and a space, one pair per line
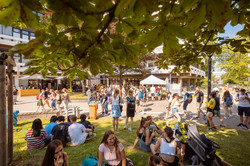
235, 144
78, 96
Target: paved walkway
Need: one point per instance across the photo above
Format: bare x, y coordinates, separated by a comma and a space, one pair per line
154, 108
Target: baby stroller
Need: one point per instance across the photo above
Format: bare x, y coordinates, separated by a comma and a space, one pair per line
204, 148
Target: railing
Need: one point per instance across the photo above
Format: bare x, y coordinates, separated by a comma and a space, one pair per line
10, 40
193, 70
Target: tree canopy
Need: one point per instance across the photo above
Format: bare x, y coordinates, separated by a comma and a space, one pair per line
77, 36
236, 66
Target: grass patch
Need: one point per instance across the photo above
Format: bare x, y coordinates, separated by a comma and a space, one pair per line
78, 96
235, 144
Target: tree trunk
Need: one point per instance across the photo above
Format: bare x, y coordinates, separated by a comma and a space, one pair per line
70, 86
83, 87
3, 154
10, 114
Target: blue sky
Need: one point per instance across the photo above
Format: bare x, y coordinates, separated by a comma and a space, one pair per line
231, 31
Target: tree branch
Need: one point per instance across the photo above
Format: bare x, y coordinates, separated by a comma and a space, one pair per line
211, 34
59, 68
98, 37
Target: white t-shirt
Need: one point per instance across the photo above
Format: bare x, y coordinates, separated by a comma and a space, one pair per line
76, 133
152, 89
110, 156
243, 102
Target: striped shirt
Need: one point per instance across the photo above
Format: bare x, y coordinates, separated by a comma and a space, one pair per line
34, 143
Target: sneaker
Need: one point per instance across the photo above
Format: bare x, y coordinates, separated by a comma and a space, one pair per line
125, 127
210, 129
225, 117
222, 125
240, 124
129, 129
214, 128
244, 126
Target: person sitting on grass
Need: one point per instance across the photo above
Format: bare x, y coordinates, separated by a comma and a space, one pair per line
60, 131
77, 132
168, 148
48, 128
86, 123
155, 161
145, 137
153, 125
112, 151
55, 156
210, 109
35, 137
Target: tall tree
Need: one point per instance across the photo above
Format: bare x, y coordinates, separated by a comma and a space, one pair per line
236, 66
77, 35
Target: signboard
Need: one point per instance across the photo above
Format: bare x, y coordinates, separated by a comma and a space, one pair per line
176, 88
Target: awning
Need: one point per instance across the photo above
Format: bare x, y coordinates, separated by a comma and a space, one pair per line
33, 77
152, 80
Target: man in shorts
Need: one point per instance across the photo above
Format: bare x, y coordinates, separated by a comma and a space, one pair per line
15, 91
199, 101
243, 108
153, 91
216, 112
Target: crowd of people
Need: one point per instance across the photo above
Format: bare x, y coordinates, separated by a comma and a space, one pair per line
131, 100
58, 134
167, 148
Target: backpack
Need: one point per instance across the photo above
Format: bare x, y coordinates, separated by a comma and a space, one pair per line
140, 95
90, 160
190, 98
131, 103
37, 97
229, 101
62, 134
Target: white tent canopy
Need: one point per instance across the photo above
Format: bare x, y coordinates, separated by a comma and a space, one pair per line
152, 80
33, 77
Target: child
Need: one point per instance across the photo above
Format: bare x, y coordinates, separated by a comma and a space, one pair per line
210, 109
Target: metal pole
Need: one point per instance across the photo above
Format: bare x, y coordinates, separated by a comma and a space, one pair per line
3, 154
209, 75
10, 114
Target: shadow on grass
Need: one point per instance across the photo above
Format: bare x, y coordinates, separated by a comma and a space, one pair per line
234, 144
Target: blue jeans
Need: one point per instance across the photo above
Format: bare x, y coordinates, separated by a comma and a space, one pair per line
106, 107
53, 104
185, 106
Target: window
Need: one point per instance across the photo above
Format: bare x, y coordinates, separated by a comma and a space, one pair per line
16, 33
25, 34
32, 35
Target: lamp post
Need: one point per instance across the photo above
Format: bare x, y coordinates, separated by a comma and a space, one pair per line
209, 74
